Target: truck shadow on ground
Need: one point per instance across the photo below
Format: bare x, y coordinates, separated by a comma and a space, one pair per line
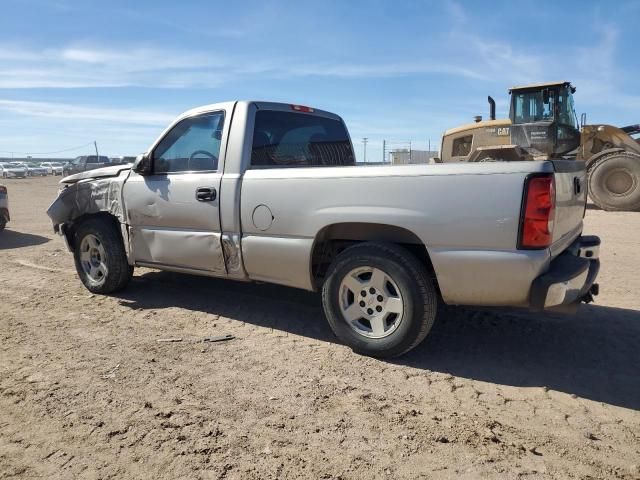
12, 239
594, 354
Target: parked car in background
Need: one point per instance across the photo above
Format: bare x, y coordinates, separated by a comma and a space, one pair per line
272, 193
4, 207
35, 170
13, 170
122, 160
52, 168
86, 162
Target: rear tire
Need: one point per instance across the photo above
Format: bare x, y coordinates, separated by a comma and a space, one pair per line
614, 182
100, 258
379, 300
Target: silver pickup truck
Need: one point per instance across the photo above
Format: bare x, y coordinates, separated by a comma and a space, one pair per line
270, 192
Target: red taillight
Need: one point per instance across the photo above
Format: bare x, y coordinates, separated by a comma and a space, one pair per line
3, 189
536, 228
302, 108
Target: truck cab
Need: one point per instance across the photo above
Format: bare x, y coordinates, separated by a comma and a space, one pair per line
190, 163
543, 119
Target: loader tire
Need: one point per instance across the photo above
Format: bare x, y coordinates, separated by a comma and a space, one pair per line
614, 182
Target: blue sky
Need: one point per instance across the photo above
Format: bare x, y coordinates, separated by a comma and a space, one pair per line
117, 72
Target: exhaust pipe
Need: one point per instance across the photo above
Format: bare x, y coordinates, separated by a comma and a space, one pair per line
492, 108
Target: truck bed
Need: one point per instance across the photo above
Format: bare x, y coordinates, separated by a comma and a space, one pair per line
466, 214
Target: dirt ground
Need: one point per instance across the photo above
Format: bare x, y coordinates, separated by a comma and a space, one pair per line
86, 391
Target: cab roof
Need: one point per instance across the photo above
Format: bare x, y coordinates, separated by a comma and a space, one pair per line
537, 86
260, 105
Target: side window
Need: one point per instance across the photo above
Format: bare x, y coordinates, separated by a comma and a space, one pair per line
288, 139
519, 103
461, 146
193, 145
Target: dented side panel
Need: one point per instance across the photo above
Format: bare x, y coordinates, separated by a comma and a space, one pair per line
197, 250
232, 249
170, 226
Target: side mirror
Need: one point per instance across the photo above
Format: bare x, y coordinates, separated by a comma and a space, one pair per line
142, 165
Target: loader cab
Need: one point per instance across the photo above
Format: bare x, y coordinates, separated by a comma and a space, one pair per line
543, 119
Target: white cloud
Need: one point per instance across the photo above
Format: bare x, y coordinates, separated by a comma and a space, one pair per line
82, 66
500, 58
381, 70
77, 113
458, 15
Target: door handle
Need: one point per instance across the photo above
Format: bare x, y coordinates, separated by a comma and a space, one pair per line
206, 194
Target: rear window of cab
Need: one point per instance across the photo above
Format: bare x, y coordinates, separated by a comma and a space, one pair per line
289, 139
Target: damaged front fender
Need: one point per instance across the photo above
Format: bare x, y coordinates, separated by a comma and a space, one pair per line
87, 197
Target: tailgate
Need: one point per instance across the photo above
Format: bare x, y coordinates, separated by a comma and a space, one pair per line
571, 196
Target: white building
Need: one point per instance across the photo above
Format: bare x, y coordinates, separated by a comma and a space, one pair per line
404, 156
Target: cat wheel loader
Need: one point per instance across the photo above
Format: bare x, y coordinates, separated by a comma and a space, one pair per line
543, 125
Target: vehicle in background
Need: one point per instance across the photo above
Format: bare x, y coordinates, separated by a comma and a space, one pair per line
270, 192
35, 170
86, 162
543, 125
4, 207
13, 170
53, 168
122, 160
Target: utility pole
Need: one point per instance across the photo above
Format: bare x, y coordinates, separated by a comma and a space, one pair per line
364, 141
384, 151
95, 144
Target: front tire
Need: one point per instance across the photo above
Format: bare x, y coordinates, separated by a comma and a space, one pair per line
100, 258
379, 300
614, 182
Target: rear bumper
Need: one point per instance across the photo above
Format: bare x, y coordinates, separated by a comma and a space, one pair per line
570, 278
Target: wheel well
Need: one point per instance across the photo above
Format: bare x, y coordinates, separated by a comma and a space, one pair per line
334, 239
72, 226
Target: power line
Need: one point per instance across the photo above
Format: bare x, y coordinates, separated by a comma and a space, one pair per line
48, 153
